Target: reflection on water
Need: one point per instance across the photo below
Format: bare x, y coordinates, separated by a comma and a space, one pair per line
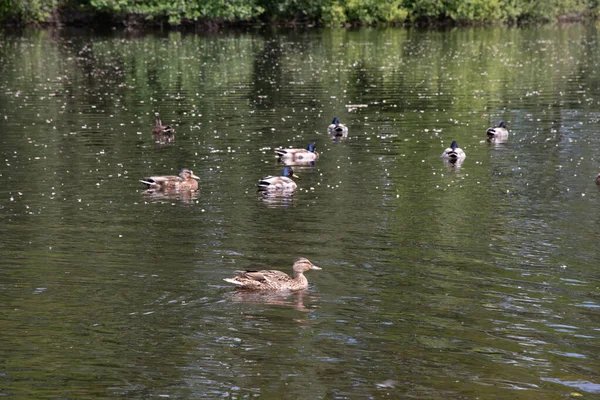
168, 196
295, 300
453, 163
439, 282
277, 199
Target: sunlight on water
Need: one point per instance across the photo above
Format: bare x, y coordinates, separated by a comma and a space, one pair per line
441, 278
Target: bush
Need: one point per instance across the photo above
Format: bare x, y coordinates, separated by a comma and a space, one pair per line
329, 12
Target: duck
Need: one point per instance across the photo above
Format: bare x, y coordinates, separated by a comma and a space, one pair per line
273, 280
162, 132
598, 180
336, 128
498, 134
282, 183
301, 155
185, 181
453, 153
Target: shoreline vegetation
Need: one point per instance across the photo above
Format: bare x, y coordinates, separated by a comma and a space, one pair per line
217, 14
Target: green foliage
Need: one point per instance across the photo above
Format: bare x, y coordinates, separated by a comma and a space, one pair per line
177, 10
334, 14
328, 12
28, 11
497, 10
364, 12
549, 9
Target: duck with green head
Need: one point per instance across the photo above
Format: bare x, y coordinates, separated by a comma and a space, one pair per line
283, 183
498, 134
336, 128
453, 153
273, 280
293, 155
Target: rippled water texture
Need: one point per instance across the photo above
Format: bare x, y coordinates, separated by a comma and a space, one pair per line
477, 280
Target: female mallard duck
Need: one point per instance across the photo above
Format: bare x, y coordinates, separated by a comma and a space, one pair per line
163, 133
298, 155
282, 183
185, 181
453, 153
338, 129
498, 134
273, 280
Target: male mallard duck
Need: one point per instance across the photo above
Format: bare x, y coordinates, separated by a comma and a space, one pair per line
185, 181
453, 153
300, 155
273, 280
162, 132
282, 183
338, 129
498, 134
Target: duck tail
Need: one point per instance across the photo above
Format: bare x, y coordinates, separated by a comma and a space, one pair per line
280, 152
231, 280
491, 132
150, 184
263, 185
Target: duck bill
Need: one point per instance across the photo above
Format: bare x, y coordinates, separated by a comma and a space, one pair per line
313, 266
295, 176
194, 177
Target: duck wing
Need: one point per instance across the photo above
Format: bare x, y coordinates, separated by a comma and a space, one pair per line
288, 152
277, 183
154, 182
265, 275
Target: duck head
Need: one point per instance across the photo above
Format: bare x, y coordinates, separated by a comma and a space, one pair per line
187, 174
288, 172
454, 146
302, 265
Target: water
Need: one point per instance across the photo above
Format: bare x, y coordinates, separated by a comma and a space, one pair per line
438, 282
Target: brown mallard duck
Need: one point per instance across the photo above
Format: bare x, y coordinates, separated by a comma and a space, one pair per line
298, 155
162, 133
185, 181
273, 280
282, 183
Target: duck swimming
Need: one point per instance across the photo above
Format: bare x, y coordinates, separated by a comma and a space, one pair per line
162, 133
273, 280
185, 181
498, 134
453, 153
299, 155
282, 183
337, 128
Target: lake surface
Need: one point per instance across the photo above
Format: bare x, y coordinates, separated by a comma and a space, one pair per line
438, 281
